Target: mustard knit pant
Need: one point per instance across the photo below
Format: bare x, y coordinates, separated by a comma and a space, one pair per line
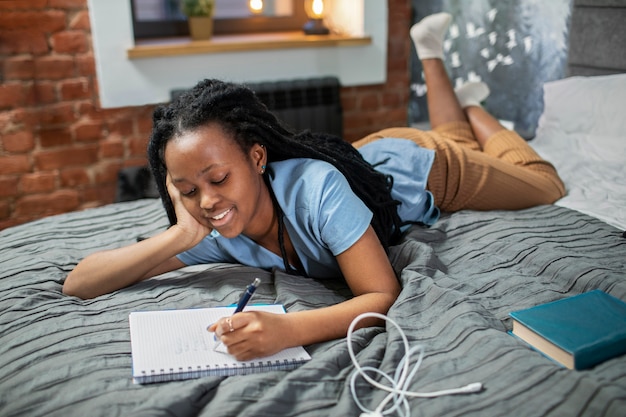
506, 175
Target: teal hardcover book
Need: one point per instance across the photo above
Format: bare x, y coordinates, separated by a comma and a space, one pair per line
578, 332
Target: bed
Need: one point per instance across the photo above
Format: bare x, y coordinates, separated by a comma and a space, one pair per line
60, 355
63, 356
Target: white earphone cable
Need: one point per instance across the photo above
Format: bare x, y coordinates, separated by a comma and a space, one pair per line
401, 380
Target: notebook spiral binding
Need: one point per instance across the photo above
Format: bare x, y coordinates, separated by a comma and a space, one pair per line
246, 368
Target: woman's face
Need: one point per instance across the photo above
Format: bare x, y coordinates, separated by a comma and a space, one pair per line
221, 186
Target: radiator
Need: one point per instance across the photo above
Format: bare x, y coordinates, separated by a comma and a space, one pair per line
312, 104
301, 104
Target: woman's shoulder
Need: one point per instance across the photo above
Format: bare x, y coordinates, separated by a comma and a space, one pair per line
301, 166
304, 175
305, 183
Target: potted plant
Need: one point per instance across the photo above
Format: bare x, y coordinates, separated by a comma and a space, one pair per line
200, 16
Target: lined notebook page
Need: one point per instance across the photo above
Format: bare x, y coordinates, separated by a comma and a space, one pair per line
174, 344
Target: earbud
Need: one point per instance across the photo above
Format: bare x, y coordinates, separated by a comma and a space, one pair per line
473, 387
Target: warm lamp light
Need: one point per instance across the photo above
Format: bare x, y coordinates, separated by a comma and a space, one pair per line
314, 9
255, 6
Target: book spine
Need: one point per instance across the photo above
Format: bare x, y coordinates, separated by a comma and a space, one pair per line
154, 376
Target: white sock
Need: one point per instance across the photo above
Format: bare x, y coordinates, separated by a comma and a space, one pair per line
428, 35
472, 93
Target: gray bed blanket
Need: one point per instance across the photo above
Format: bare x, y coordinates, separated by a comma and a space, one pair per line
62, 356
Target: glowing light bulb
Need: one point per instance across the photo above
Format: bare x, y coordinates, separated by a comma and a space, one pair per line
256, 6
318, 7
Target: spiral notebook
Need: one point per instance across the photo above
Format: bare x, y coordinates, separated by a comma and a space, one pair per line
171, 345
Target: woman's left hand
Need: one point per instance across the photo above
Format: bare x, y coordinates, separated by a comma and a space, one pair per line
251, 334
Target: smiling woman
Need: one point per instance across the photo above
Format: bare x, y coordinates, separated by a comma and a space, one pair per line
241, 188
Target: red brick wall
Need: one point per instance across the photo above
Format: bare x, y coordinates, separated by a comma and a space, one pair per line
371, 108
60, 152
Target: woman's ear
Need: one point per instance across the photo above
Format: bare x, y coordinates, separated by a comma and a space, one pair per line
259, 157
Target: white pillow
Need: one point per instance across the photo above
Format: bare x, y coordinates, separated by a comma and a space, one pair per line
582, 132
594, 105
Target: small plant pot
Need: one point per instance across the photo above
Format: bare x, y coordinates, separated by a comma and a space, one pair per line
200, 28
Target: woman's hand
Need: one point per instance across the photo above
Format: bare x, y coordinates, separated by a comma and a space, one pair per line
254, 334
184, 220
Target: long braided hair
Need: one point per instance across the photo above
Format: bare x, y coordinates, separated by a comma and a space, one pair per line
242, 115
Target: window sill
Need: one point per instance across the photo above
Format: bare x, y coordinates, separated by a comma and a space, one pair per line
253, 42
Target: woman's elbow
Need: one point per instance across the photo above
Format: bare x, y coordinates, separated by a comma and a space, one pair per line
72, 287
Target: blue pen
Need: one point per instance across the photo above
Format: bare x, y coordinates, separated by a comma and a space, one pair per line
243, 301
245, 297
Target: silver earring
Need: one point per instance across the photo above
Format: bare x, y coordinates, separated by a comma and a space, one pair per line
263, 169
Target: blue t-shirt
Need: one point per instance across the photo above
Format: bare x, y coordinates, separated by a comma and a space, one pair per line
409, 165
322, 215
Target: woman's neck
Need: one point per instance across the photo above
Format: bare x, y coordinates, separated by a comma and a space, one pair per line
267, 233
264, 231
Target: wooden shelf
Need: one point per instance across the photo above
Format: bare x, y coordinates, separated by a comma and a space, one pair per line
252, 42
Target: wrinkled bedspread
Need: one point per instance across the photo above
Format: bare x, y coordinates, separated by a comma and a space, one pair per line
62, 356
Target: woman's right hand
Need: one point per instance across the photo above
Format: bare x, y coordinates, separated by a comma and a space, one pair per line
192, 228
110, 270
